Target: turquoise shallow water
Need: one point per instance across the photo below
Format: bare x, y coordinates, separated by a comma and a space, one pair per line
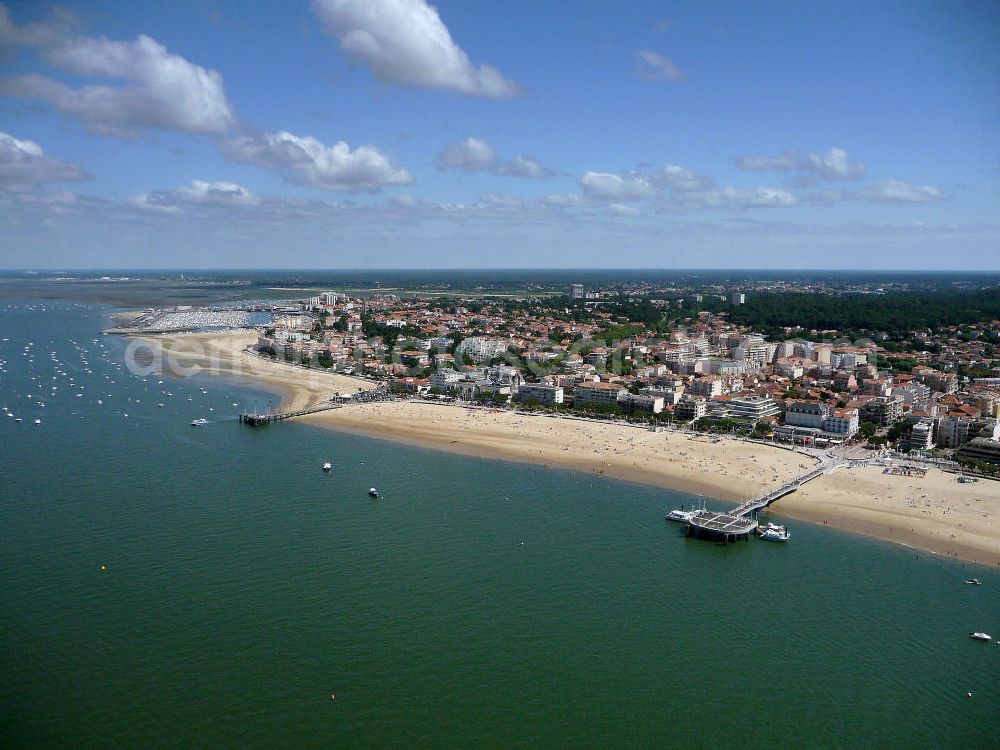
477, 604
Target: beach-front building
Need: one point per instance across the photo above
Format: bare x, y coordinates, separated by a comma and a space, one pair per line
444, 379
598, 394
410, 385
543, 394
643, 402
805, 413
841, 422
955, 430
752, 408
817, 420
690, 408
980, 449
921, 436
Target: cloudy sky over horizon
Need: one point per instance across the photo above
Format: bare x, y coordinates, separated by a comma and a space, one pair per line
395, 133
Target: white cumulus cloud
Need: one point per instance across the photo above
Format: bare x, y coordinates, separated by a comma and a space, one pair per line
473, 154
197, 194
524, 165
336, 167
476, 155
682, 179
655, 67
900, 191
23, 164
406, 42
161, 90
614, 187
833, 164
736, 199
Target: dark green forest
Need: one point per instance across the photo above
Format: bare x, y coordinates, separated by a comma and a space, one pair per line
895, 313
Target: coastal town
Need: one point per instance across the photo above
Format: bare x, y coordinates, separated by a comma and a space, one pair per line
627, 356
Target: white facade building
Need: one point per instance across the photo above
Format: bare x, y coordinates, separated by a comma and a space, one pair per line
543, 394
482, 349
598, 394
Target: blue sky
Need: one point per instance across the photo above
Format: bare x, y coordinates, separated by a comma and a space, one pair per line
393, 133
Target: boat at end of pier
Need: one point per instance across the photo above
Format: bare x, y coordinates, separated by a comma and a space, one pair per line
680, 515
774, 533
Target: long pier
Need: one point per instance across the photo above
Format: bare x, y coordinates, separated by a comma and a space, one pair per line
258, 420
759, 503
740, 522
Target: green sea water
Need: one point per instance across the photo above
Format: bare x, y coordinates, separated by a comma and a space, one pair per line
476, 604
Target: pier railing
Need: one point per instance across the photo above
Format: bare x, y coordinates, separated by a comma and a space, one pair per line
257, 420
758, 503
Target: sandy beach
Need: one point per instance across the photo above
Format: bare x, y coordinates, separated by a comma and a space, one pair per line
934, 513
728, 470
224, 354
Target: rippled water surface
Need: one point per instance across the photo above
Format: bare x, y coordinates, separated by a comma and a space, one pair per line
476, 604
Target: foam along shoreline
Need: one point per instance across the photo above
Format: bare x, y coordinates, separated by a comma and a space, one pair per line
224, 354
962, 521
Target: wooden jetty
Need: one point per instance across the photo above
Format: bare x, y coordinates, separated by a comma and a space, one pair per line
259, 420
740, 522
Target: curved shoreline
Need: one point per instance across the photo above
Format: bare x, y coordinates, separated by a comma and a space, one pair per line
934, 513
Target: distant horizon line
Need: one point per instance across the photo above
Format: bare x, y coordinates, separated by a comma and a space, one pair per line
566, 269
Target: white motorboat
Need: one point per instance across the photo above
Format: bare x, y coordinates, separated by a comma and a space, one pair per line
974, 581
327, 466
373, 492
38, 421
980, 636
199, 422
774, 533
680, 516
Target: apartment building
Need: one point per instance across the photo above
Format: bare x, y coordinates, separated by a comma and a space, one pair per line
690, 408
980, 449
598, 394
706, 386
543, 394
882, 410
752, 408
